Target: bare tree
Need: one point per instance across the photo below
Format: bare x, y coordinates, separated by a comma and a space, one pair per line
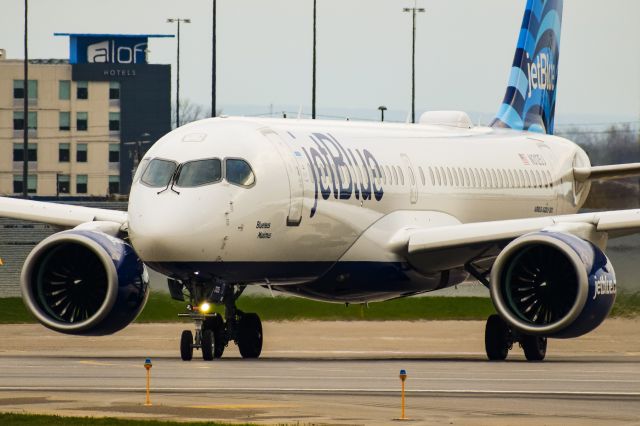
191, 111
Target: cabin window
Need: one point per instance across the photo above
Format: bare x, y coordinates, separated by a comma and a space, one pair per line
455, 176
475, 177
239, 172
400, 175
200, 172
433, 178
424, 181
538, 179
158, 173
512, 182
411, 177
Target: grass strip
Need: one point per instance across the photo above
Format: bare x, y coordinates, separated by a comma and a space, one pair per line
161, 308
44, 420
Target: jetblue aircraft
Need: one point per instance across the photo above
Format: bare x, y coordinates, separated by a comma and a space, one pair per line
348, 212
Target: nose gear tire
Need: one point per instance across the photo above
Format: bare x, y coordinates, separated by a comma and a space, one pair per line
186, 345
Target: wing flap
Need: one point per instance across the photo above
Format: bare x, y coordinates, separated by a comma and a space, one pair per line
57, 214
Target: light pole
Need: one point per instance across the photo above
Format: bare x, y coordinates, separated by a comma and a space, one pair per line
413, 11
25, 111
178, 21
313, 85
382, 109
213, 62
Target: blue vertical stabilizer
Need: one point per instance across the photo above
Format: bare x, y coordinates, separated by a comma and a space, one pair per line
530, 100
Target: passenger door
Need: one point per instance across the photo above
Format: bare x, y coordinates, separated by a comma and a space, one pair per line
294, 174
413, 182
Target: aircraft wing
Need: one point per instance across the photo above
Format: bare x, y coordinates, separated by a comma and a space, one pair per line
57, 214
615, 171
452, 246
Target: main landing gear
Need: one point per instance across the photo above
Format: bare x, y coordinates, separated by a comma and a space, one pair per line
213, 332
499, 339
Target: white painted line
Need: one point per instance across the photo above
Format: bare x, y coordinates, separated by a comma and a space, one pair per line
319, 390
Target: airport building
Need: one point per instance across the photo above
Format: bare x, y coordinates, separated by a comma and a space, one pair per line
91, 117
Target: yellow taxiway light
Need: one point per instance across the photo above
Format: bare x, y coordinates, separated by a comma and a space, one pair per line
147, 366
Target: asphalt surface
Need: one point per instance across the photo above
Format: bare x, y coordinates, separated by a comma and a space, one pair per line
327, 373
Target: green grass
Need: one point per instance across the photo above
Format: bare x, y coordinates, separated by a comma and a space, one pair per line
38, 420
161, 308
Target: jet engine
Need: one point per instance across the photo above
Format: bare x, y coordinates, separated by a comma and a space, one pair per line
84, 282
553, 284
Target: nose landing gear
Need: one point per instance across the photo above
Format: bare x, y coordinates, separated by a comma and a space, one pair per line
213, 332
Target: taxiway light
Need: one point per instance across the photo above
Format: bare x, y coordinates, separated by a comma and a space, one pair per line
147, 366
205, 308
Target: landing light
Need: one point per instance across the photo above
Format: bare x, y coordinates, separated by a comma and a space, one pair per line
205, 308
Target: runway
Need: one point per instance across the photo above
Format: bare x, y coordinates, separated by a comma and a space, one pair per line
348, 380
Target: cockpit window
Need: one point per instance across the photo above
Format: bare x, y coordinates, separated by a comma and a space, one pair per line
159, 172
239, 172
141, 167
200, 172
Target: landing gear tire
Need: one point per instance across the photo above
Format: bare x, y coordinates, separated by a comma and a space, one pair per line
535, 348
249, 336
186, 345
208, 342
497, 338
216, 324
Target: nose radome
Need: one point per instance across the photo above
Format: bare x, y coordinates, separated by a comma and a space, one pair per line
164, 236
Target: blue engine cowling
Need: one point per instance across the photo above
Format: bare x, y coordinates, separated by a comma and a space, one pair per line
84, 282
553, 284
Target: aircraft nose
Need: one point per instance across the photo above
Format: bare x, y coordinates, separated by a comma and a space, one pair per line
171, 232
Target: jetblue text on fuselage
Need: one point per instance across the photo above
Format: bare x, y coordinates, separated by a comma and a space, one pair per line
345, 173
541, 72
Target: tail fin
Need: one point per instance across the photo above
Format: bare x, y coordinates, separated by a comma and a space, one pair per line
530, 100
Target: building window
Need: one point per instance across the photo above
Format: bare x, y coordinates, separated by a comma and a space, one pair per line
114, 153
63, 184
114, 90
63, 153
82, 90
114, 184
18, 89
81, 184
81, 153
18, 152
18, 120
82, 120
64, 90
64, 120
32, 184
114, 121
18, 93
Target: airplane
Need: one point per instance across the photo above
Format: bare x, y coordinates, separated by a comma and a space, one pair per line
348, 212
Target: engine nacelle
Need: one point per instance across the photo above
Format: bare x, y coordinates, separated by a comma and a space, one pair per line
84, 282
553, 284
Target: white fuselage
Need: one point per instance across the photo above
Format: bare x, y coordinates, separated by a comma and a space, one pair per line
328, 192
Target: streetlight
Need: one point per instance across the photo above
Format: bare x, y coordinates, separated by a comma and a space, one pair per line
25, 119
178, 21
382, 109
313, 85
213, 62
413, 10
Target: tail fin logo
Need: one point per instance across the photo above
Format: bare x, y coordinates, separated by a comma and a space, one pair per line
530, 99
541, 73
